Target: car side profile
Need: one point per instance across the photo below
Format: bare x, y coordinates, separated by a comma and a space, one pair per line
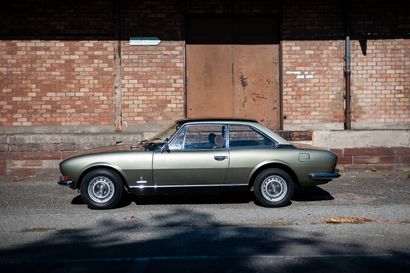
201, 155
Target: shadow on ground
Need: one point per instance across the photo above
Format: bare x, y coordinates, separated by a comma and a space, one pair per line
309, 194
190, 241
312, 194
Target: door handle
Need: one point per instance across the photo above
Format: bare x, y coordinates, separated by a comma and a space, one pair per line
220, 157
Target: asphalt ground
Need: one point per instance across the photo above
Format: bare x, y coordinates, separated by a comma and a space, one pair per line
46, 228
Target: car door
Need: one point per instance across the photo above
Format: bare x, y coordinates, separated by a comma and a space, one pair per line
198, 157
247, 149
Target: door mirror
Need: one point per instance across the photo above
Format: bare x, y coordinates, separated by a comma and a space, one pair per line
165, 147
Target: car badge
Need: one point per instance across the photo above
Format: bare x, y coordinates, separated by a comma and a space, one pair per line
141, 180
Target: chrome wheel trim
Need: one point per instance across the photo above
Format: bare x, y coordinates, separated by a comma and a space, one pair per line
274, 188
101, 189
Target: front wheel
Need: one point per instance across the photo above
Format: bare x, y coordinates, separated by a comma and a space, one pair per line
101, 189
273, 188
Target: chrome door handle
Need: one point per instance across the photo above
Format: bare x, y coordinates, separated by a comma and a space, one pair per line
220, 157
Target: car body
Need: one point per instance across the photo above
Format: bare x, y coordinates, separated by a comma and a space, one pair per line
201, 154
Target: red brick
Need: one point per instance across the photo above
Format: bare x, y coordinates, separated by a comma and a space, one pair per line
368, 167
387, 159
344, 160
31, 163
366, 159
404, 159
338, 152
369, 151
20, 171
66, 146
34, 155
24, 147
402, 151
48, 147
68, 154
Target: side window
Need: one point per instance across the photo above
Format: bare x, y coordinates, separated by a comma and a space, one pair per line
204, 137
178, 142
246, 136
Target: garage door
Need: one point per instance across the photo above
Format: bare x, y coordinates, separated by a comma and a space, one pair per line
233, 68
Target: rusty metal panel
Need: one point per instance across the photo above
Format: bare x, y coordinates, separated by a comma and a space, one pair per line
232, 68
256, 83
210, 89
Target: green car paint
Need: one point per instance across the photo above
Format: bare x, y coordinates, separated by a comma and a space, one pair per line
158, 167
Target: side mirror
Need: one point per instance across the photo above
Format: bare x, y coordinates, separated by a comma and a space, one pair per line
165, 147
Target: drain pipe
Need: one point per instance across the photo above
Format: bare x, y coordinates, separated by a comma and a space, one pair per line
348, 121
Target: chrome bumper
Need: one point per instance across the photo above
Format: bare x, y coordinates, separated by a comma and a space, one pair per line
324, 176
64, 182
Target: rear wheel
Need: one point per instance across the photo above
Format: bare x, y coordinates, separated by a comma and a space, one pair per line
101, 189
273, 188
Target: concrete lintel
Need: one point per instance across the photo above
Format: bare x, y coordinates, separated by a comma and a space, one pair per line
85, 129
380, 125
311, 126
81, 139
361, 138
57, 129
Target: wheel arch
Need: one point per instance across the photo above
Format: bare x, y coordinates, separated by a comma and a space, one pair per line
276, 165
101, 166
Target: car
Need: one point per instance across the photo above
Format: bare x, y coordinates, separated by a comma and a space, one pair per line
201, 155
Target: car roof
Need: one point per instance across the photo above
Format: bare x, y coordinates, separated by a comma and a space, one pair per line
183, 121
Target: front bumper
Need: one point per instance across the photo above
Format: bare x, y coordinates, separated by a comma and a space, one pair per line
64, 181
324, 176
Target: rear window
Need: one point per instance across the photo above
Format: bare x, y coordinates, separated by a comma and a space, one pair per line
246, 136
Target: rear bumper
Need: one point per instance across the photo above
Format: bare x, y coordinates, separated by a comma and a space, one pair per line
324, 176
64, 182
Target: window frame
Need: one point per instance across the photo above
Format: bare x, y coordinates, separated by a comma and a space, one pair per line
275, 144
184, 129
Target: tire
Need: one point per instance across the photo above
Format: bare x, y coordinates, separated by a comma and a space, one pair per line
273, 188
101, 189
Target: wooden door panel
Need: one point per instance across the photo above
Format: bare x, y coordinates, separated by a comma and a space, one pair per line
256, 83
233, 68
210, 89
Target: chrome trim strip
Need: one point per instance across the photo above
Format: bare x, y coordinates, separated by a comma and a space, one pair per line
186, 186
324, 176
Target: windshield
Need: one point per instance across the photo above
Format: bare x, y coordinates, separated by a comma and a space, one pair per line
165, 134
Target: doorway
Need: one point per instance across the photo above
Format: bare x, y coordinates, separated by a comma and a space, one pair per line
233, 68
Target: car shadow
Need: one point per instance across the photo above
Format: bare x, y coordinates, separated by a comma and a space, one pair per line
77, 200
304, 195
311, 194
174, 199
125, 201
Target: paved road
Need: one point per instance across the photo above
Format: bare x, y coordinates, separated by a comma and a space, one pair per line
46, 228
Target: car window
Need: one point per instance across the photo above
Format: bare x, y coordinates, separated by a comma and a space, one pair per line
246, 136
204, 137
178, 142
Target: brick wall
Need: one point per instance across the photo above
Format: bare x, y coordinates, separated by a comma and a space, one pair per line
380, 64
313, 54
27, 154
57, 62
152, 76
50, 76
58, 69
313, 63
313, 84
56, 82
375, 158
381, 83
